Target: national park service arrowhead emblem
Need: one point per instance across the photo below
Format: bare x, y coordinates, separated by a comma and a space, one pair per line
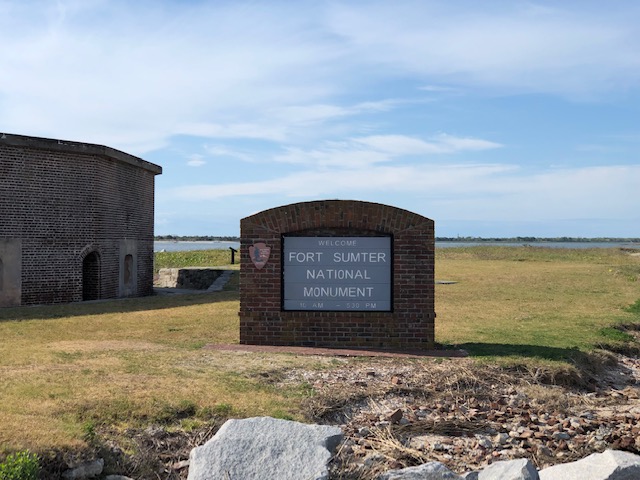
259, 253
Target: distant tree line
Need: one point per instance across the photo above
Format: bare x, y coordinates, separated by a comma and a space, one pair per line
536, 239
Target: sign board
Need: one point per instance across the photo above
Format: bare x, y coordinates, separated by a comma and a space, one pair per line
337, 273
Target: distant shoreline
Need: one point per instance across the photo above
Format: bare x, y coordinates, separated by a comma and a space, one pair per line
540, 239
188, 245
189, 238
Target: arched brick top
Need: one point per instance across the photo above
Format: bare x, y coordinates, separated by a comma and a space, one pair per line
87, 250
344, 214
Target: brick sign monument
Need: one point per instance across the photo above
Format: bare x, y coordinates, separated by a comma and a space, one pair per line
337, 273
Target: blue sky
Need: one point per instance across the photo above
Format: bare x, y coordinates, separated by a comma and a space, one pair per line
493, 118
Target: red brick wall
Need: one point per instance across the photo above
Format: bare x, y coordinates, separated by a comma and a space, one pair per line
410, 326
64, 200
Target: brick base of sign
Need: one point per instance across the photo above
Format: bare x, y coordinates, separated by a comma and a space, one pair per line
408, 326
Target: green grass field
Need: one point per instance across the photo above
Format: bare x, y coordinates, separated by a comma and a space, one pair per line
194, 258
535, 302
68, 370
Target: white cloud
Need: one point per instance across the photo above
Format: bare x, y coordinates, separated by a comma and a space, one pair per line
398, 144
443, 143
332, 182
567, 50
311, 114
222, 151
458, 144
234, 130
196, 160
156, 66
344, 91
338, 155
490, 192
374, 149
281, 124
578, 193
134, 74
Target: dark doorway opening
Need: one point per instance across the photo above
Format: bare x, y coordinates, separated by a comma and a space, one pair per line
91, 277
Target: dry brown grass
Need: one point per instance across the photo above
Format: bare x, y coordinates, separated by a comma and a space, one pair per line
127, 364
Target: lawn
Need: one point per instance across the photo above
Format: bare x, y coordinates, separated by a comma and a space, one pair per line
68, 370
534, 301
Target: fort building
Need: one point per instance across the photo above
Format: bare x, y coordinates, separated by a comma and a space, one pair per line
76, 222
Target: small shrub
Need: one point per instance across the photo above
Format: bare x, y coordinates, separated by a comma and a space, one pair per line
20, 466
89, 432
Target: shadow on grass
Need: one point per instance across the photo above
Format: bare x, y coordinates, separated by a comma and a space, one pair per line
571, 367
121, 305
529, 351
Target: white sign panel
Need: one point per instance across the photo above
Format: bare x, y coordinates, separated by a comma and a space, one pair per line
337, 273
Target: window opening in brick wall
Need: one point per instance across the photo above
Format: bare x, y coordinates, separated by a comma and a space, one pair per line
91, 277
128, 270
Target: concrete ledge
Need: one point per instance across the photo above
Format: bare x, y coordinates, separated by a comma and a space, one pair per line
169, 284
191, 278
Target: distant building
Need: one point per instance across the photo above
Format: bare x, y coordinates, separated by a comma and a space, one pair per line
76, 222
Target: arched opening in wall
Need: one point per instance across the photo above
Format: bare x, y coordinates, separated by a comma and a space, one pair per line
91, 277
128, 271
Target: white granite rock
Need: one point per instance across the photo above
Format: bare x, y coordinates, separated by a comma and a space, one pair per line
520, 469
265, 447
430, 471
608, 465
85, 470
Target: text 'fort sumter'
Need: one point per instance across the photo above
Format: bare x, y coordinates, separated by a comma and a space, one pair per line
339, 273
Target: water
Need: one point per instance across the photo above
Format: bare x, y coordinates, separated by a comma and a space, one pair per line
169, 246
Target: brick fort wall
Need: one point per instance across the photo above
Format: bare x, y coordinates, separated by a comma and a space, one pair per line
71, 214
408, 326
